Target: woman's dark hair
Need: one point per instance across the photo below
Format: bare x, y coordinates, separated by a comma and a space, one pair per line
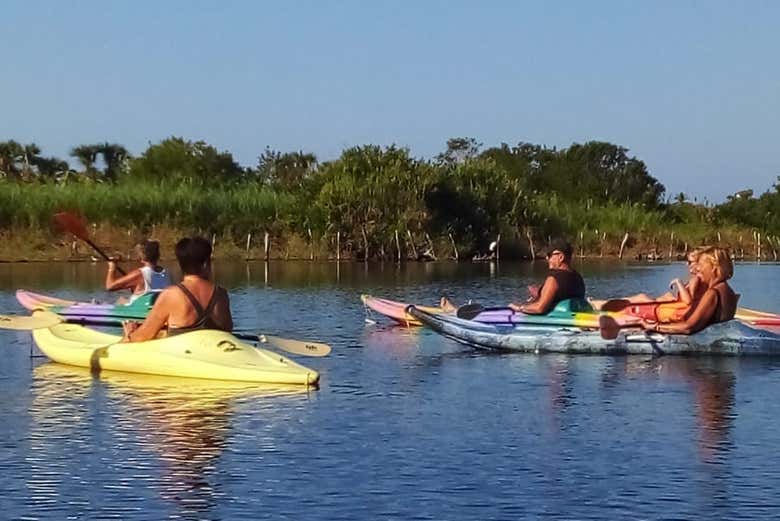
150, 250
193, 253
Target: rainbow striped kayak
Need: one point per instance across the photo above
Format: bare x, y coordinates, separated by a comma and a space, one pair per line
571, 313
88, 311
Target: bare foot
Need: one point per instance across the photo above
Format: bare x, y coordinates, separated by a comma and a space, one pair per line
596, 303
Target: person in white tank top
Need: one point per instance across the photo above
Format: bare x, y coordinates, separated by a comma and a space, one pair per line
153, 280
149, 277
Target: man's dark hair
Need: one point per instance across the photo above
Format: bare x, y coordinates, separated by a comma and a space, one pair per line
193, 253
150, 250
561, 245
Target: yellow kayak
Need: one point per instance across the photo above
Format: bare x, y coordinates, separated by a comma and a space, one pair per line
209, 354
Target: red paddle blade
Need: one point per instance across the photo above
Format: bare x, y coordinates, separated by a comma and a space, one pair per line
73, 224
608, 327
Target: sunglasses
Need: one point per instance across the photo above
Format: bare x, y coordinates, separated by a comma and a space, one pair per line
555, 252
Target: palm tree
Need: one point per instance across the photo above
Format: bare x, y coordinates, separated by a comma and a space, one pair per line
86, 155
11, 153
114, 156
50, 167
19, 161
29, 155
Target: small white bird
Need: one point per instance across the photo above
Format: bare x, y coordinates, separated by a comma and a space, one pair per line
493, 246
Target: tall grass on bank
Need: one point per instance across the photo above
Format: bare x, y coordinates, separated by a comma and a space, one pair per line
238, 209
232, 211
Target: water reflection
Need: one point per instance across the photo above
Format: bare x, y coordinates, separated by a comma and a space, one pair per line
184, 425
560, 384
396, 339
712, 383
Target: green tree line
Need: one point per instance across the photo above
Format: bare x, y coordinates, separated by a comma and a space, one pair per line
381, 199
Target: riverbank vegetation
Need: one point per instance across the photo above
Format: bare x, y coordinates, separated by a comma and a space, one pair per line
375, 202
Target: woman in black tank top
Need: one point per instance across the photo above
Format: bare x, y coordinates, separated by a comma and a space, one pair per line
176, 304
204, 319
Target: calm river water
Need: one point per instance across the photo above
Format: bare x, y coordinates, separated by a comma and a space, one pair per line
406, 424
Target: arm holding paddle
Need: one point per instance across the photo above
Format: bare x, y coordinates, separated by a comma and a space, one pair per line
130, 281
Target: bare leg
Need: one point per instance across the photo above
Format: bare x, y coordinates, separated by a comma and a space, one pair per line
640, 298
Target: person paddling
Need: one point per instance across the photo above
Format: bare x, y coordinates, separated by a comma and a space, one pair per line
719, 302
194, 304
562, 281
149, 277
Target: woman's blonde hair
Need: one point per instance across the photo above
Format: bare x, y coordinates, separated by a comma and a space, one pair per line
720, 260
693, 255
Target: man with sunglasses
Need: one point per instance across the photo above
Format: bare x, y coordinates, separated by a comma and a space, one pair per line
562, 281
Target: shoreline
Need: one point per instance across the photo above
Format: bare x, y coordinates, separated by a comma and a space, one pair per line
29, 245
351, 260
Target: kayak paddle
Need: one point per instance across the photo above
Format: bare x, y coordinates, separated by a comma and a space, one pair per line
298, 347
76, 226
469, 311
609, 327
40, 320
755, 312
47, 319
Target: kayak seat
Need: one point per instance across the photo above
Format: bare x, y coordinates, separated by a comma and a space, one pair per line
145, 301
572, 305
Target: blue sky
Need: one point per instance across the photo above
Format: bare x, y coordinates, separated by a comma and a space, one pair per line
691, 88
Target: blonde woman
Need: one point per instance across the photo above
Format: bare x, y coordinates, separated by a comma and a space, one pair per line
669, 307
690, 292
718, 303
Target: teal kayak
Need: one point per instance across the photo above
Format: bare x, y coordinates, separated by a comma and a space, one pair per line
732, 338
